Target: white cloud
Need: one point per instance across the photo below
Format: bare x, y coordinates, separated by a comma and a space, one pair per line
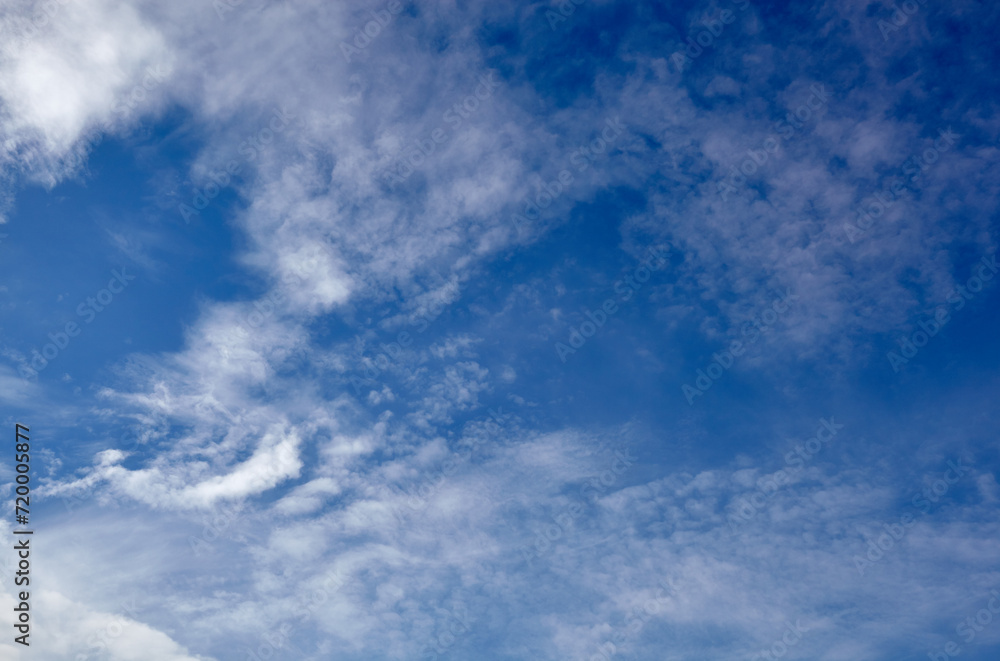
75, 73
234, 415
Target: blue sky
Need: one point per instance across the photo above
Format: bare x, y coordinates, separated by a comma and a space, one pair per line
549, 330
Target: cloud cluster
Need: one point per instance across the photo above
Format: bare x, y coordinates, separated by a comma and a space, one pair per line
257, 415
